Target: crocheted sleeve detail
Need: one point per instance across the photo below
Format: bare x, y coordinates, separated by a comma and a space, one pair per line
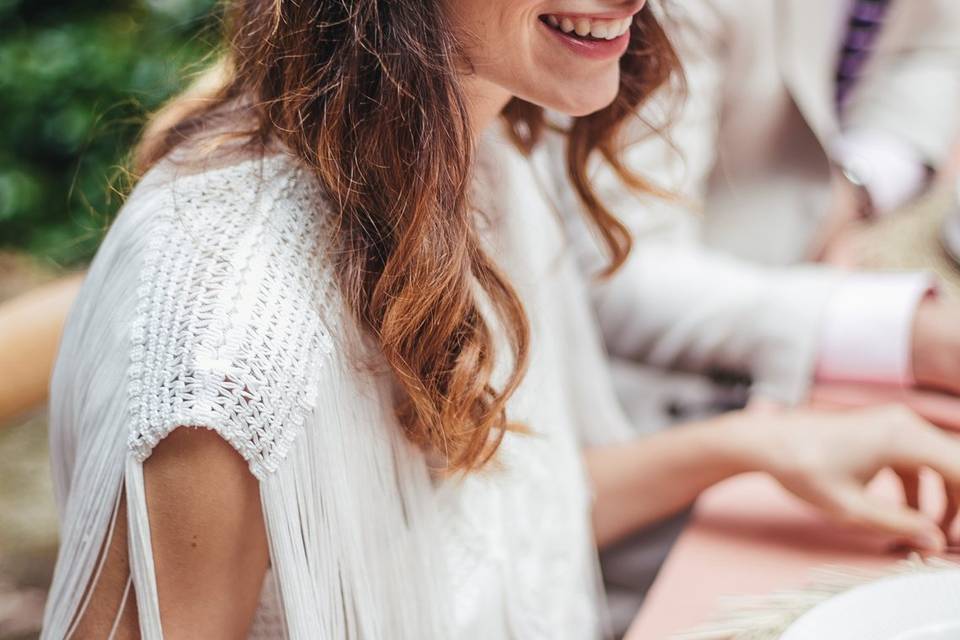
231, 327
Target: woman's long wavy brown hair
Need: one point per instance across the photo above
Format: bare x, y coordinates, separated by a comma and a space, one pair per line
367, 94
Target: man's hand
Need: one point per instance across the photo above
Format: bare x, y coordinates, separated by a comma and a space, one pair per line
837, 238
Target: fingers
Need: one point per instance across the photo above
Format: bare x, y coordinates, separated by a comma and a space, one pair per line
921, 444
934, 448
952, 492
856, 507
905, 442
942, 454
911, 491
911, 487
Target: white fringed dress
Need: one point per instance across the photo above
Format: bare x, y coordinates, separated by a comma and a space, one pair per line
212, 304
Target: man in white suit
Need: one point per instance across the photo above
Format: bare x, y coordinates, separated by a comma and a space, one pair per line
781, 147
761, 162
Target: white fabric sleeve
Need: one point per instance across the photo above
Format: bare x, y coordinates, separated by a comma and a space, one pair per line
892, 171
687, 307
868, 328
227, 336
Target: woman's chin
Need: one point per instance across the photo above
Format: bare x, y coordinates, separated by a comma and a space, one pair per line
587, 108
585, 102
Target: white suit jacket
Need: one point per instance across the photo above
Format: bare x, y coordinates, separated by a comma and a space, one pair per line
762, 100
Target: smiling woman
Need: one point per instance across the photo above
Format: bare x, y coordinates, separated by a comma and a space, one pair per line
334, 264
334, 372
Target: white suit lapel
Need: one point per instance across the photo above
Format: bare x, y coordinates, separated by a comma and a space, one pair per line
809, 34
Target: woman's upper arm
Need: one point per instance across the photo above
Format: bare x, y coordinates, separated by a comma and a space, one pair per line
208, 539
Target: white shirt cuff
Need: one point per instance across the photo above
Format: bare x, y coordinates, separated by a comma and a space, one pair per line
868, 328
892, 171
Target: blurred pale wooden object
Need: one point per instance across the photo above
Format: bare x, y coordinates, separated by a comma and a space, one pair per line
30, 326
912, 240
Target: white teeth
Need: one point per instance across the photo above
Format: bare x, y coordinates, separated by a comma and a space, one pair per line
609, 29
600, 29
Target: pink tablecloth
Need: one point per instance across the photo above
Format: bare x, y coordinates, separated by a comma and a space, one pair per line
748, 536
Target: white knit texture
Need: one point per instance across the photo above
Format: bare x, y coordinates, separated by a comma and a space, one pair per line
228, 333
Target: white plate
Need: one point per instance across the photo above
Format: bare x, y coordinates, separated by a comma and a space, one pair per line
915, 606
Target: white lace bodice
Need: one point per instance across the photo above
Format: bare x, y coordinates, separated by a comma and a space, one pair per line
233, 322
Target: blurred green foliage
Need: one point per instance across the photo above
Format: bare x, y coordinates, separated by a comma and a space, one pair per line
77, 79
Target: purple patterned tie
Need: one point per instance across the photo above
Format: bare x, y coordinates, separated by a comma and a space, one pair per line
866, 20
